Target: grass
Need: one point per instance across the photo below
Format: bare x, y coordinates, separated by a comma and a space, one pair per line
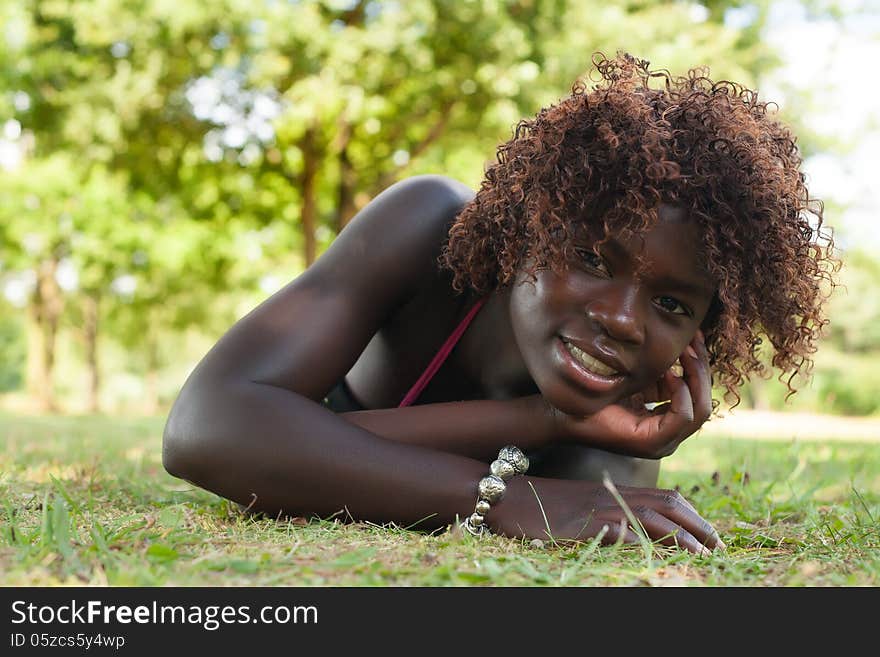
85, 501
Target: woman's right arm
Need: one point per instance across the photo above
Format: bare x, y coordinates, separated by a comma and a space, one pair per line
247, 424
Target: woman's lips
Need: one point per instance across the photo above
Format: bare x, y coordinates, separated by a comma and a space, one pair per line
592, 363
589, 372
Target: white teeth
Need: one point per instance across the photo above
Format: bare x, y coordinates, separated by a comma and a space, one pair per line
589, 362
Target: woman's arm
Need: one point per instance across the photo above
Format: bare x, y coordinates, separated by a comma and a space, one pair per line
471, 428
247, 423
279, 452
289, 455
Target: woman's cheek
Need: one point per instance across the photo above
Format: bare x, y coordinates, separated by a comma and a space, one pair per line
669, 360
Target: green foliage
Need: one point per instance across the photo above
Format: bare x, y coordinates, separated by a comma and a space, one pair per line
168, 145
855, 306
841, 383
846, 376
850, 386
394, 89
844, 393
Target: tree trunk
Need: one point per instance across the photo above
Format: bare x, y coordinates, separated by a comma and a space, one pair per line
308, 187
90, 331
35, 376
151, 401
754, 395
45, 311
345, 205
760, 398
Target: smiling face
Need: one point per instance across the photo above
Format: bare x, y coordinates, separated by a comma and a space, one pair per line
613, 323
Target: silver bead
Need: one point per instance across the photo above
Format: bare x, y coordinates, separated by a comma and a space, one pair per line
503, 469
491, 488
476, 519
475, 530
516, 457
482, 507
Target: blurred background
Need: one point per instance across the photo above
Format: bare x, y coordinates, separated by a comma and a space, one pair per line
165, 165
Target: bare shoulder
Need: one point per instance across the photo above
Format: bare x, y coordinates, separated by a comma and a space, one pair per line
435, 187
395, 238
432, 187
307, 335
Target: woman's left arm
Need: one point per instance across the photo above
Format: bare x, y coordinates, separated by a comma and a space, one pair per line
475, 428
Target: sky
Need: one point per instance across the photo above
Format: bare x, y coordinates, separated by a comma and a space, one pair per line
837, 60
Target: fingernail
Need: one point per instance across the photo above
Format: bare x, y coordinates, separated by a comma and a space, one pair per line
689, 350
705, 552
721, 545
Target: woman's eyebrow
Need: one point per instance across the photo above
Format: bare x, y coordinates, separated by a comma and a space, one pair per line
687, 286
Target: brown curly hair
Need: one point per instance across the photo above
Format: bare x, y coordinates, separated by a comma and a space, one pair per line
603, 159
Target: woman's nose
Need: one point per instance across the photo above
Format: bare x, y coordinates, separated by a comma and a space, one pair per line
617, 314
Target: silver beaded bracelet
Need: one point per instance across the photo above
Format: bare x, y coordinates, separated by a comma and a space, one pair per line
511, 461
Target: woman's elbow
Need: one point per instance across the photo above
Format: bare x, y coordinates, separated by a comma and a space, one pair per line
186, 449
177, 455
203, 440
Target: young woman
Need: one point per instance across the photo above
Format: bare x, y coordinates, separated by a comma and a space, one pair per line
623, 231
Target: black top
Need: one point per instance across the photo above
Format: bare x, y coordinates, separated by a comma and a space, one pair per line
340, 399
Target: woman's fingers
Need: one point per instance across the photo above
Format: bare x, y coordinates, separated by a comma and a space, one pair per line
660, 528
657, 431
616, 527
695, 366
666, 512
661, 493
690, 398
673, 506
680, 412
613, 531
627, 514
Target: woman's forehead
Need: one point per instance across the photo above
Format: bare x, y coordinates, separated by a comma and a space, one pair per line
670, 250
589, 225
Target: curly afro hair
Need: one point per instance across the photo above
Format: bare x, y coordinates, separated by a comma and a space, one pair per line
602, 160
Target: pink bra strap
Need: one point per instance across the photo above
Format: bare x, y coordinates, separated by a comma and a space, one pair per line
440, 356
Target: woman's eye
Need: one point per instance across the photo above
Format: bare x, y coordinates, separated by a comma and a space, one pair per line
592, 260
673, 305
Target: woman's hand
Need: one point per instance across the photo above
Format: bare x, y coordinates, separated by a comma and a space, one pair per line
571, 510
629, 428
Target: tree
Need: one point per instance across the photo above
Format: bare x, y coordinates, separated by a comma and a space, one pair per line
173, 140
369, 88
101, 87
